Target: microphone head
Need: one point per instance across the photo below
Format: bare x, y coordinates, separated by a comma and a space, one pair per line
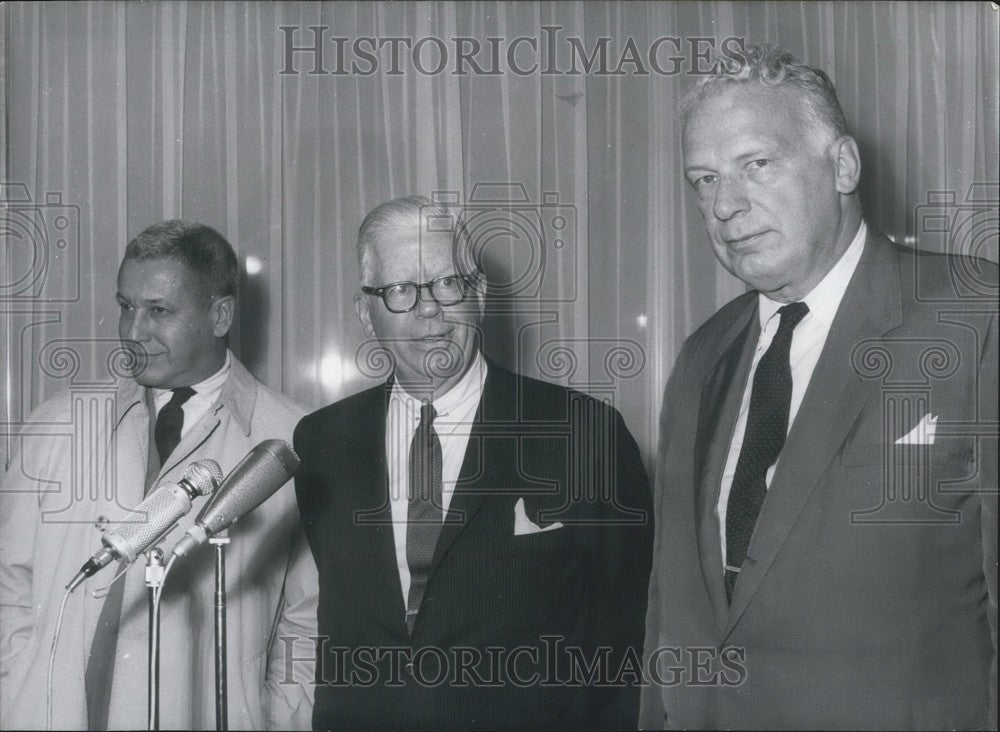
204, 476
266, 468
282, 452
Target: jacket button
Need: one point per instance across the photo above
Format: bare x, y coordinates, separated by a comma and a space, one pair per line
408, 668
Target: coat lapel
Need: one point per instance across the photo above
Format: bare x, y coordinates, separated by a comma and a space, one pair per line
721, 394
483, 468
370, 500
832, 403
192, 441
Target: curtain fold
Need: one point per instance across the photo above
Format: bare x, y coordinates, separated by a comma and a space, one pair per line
120, 114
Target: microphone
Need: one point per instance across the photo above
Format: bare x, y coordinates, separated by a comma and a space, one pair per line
148, 521
259, 475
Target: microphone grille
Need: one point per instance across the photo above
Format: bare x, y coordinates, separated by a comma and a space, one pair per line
263, 471
283, 453
144, 524
204, 476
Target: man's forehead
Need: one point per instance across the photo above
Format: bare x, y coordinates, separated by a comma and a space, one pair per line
157, 278
400, 247
734, 121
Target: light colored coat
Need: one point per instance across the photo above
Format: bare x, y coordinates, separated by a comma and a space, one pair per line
83, 455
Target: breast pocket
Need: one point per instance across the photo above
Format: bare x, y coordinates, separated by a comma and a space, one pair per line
947, 451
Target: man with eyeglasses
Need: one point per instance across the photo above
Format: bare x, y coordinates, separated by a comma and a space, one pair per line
483, 539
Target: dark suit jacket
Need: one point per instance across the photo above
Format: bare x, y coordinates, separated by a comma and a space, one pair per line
489, 646
868, 597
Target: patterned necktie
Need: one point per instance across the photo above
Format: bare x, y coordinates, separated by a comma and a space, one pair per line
424, 513
170, 422
767, 425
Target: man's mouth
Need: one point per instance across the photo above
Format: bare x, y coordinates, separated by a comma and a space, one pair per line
742, 239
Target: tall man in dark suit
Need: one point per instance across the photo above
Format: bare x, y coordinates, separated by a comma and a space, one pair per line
826, 498
483, 539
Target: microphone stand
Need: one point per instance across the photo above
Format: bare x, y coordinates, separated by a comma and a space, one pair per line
220, 541
154, 581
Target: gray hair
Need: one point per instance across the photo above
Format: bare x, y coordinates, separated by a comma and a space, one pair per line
203, 249
773, 67
418, 214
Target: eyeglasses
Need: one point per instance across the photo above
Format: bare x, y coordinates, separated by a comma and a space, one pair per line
402, 297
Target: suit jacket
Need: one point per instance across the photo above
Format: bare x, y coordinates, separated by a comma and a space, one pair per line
491, 647
868, 596
82, 455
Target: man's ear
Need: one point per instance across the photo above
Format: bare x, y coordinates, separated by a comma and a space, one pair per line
362, 306
847, 164
479, 290
223, 313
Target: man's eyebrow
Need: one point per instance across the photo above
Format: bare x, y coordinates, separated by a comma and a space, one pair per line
153, 301
754, 153
692, 169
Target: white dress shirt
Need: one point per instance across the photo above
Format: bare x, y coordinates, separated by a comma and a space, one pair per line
456, 411
808, 339
206, 394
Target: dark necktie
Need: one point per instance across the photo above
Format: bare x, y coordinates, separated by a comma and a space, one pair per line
170, 422
767, 424
424, 513
99, 672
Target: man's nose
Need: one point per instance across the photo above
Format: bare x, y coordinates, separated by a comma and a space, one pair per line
730, 199
427, 306
133, 327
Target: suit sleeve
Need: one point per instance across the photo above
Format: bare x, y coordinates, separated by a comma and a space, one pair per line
988, 409
291, 661
652, 715
627, 554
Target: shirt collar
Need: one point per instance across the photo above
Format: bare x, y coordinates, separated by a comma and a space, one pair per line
206, 386
239, 394
824, 299
469, 387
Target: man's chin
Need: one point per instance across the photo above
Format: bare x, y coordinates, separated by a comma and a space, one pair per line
438, 371
758, 273
149, 378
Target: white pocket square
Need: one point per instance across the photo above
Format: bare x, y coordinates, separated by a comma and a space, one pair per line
922, 434
523, 525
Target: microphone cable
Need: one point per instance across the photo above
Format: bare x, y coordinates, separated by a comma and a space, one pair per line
52, 662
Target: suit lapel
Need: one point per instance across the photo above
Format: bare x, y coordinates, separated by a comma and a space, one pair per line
721, 394
369, 485
832, 403
483, 467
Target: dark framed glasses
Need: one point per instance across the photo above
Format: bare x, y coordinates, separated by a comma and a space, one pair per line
402, 297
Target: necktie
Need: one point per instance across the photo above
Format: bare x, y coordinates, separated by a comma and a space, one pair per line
424, 513
767, 424
165, 433
170, 422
